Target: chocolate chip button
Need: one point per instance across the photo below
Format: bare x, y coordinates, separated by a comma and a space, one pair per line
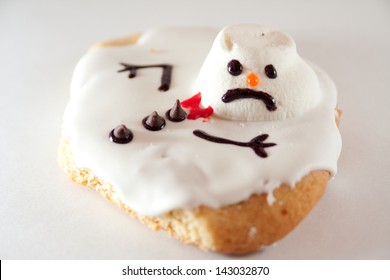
154, 122
176, 113
121, 135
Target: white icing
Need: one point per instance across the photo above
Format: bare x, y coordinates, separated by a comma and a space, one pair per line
296, 88
168, 169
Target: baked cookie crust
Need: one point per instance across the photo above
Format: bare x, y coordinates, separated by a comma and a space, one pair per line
234, 229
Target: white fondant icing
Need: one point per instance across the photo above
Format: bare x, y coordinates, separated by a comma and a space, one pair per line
168, 169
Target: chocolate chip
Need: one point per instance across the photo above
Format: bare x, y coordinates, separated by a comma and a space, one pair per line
121, 135
176, 113
154, 122
234, 67
270, 71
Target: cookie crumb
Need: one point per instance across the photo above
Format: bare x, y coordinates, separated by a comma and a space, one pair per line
252, 232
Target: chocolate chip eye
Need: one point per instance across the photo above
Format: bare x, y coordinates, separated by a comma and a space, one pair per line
270, 71
234, 67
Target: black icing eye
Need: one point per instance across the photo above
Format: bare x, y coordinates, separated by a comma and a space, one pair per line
234, 67
270, 71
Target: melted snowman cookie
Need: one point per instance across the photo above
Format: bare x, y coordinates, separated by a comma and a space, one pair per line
224, 148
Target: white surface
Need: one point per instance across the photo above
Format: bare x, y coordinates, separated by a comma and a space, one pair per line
43, 215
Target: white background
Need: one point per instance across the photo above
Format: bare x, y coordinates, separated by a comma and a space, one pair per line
113, 269
44, 216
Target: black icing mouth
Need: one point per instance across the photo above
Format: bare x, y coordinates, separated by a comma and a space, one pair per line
239, 93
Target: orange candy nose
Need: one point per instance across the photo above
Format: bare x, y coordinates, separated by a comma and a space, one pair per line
252, 80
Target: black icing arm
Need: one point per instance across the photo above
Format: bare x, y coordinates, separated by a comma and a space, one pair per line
256, 144
166, 76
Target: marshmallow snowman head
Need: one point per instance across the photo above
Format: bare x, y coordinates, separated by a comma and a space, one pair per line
253, 73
